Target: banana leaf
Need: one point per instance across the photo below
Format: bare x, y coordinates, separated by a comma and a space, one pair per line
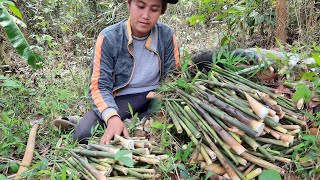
17, 39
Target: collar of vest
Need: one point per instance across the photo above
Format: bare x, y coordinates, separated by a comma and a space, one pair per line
152, 40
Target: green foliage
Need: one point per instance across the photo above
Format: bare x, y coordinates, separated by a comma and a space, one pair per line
269, 174
302, 91
5, 82
13, 135
16, 37
228, 59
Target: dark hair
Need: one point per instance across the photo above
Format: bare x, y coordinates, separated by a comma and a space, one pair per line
163, 8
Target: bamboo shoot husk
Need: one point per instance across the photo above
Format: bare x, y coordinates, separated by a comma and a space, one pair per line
214, 168
126, 143
257, 107
212, 155
146, 160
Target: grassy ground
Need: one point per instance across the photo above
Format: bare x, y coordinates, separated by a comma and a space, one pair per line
61, 89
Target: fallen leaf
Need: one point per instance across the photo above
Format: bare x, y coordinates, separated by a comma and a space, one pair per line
283, 90
313, 131
313, 104
267, 75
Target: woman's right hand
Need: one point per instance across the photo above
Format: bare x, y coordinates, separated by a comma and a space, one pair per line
115, 127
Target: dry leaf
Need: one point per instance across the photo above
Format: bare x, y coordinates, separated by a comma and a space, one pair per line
283, 90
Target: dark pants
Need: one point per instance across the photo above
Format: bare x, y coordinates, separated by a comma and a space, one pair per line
138, 102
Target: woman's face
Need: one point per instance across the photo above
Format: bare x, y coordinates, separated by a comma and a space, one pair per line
144, 14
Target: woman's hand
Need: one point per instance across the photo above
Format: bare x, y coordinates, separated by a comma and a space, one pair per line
115, 127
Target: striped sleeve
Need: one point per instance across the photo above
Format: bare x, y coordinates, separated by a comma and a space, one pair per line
102, 81
176, 52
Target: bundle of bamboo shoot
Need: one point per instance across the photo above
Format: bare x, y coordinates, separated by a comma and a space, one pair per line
241, 127
133, 158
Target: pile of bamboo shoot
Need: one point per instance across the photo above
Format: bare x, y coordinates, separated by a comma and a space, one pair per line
238, 126
96, 161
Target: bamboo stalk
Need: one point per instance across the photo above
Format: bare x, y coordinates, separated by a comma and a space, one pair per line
295, 120
261, 162
72, 164
106, 148
273, 141
291, 127
104, 160
280, 129
255, 146
174, 120
142, 170
204, 126
232, 111
28, 154
140, 151
185, 120
224, 135
254, 173
231, 172
79, 166
294, 132
91, 153
250, 168
90, 168
196, 142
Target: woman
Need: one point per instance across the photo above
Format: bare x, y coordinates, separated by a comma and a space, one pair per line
130, 59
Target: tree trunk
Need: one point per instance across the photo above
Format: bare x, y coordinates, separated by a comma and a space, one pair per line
281, 14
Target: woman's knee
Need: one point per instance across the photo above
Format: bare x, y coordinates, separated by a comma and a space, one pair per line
82, 131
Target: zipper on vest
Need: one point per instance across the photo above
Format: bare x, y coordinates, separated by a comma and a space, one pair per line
134, 65
158, 60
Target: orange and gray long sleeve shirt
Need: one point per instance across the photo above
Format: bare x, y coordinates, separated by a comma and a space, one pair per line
113, 63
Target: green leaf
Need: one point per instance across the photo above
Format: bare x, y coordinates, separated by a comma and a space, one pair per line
184, 173
130, 109
316, 58
187, 152
64, 172
3, 177
208, 175
14, 167
308, 76
126, 161
10, 83
269, 174
302, 91
18, 40
122, 156
122, 153
15, 11
311, 138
